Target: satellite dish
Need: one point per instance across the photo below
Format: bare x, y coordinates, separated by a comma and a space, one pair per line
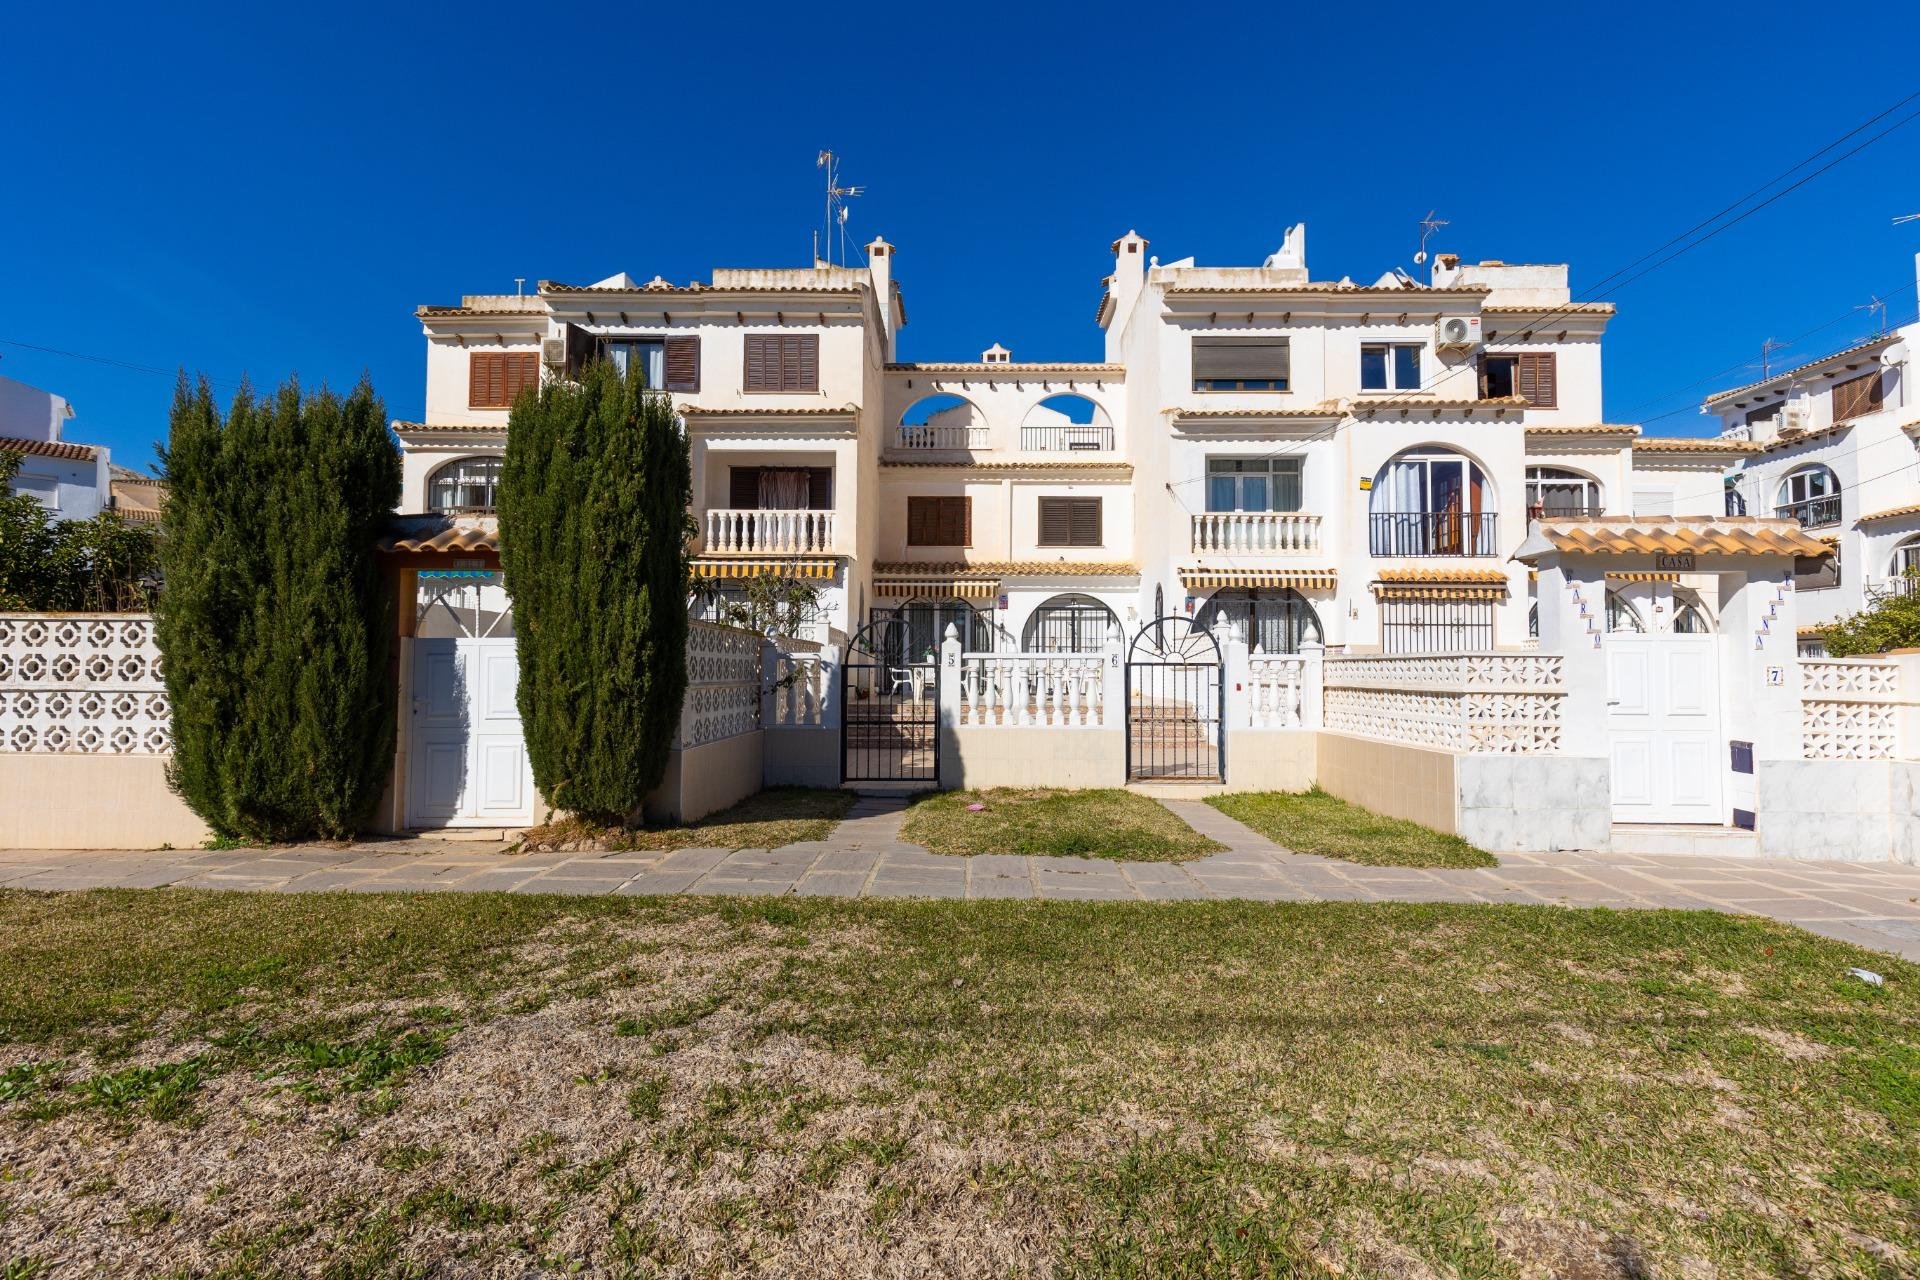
1419, 257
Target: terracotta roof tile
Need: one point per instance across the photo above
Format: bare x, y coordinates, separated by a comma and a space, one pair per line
1117, 465
1787, 375
1557, 309
1371, 406
1692, 444
441, 533
1591, 429
696, 411
1006, 569
1441, 577
47, 449
1334, 290
1675, 535
662, 287
452, 428
980, 367
1325, 409
461, 313
1894, 513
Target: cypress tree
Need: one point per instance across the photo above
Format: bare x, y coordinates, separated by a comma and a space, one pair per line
274, 626
593, 533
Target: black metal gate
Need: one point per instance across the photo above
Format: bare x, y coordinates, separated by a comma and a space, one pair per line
890, 706
1174, 726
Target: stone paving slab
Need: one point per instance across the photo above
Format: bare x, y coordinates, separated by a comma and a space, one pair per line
1875, 905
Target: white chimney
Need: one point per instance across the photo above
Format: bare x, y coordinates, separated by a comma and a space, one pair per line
996, 354
880, 267
1124, 285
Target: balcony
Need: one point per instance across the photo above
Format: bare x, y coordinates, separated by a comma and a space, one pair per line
934, 438
1066, 437
1432, 533
1564, 511
1814, 513
1254, 533
768, 532
1887, 588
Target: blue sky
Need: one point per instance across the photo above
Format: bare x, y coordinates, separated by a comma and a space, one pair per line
273, 189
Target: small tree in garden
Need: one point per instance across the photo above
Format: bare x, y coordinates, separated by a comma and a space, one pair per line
770, 602
102, 565
593, 540
274, 626
1891, 623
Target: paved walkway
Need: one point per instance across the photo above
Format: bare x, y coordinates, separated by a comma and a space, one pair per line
1873, 904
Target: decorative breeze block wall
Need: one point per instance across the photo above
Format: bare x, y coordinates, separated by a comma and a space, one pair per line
85, 683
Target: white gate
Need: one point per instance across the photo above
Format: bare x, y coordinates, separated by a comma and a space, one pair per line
1663, 727
467, 758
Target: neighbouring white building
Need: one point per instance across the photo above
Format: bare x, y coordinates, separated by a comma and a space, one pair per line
1834, 444
71, 480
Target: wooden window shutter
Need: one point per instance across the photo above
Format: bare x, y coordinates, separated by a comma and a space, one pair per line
1241, 359
820, 488
683, 364
485, 387
743, 488
1069, 522
1053, 522
755, 377
1535, 379
1085, 516
1857, 396
939, 522
782, 362
522, 370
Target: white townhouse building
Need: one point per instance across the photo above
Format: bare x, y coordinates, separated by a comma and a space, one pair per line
1835, 444
1317, 462
71, 480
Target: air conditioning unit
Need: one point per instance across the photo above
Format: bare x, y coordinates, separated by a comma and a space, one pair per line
1793, 418
1457, 333
553, 353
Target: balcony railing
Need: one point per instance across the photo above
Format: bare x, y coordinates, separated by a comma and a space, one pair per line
933, 439
1076, 437
731, 532
1432, 533
1886, 588
1256, 532
1814, 513
1564, 511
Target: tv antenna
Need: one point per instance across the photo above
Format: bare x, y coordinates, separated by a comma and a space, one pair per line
1767, 349
1906, 217
1428, 225
836, 212
1878, 309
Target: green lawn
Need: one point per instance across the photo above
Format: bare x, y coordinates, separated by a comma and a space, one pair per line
776, 816
202, 1084
1318, 823
1054, 823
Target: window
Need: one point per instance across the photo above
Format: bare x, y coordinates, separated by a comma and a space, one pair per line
1690, 618
940, 522
780, 488
1817, 573
1622, 616
1273, 620
1436, 626
1810, 495
926, 623
1736, 502
1530, 375
782, 362
1068, 624
1389, 366
1241, 364
1906, 559
1768, 413
1069, 522
44, 490
1253, 484
466, 485
666, 363
496, 378
1557, 492
1431, 504
648, 355
1857, 396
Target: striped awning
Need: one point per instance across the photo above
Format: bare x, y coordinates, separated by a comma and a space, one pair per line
1204, 579
1438, 591
809, 568
1643, 577
944, 586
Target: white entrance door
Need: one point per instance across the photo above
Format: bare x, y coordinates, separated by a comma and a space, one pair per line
1663, 723
468, 761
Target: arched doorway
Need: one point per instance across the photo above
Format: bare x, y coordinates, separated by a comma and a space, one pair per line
1068, 624
889, 705
1431, 501
1175, 731
927, 622
467, 763
1272, 619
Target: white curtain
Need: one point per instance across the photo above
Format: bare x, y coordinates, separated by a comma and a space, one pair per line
783, 490
1403, 487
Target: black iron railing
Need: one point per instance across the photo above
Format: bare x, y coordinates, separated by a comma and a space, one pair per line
1814, 513
1073, 437
1432, 533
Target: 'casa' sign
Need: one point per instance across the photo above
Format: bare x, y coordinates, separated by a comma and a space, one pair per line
1679, 564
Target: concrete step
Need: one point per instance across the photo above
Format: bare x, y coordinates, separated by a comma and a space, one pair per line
1651, 838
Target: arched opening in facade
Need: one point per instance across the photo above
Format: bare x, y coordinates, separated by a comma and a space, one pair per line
1272, 619
942, 421
465, 485
1431, 502
1067, 423
1810, 495
1068, 624
1561, 493
925, 624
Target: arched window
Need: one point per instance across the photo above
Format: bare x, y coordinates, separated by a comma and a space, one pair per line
1272, 620
1066, 422
1690, 620
1906, 559
1622, 616
466, 485
1068, 624
1810, 495
1560, 493
1736, 501
1430, 502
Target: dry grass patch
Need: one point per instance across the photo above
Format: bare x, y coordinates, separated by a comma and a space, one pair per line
1318, 823
776, 816
386, 1086
1054, 823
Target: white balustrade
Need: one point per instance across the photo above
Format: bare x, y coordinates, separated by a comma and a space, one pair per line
798, 689
732, 531
1033, 690
1474, 703
933, 439
1274, 690
1256, 532
1849, 709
